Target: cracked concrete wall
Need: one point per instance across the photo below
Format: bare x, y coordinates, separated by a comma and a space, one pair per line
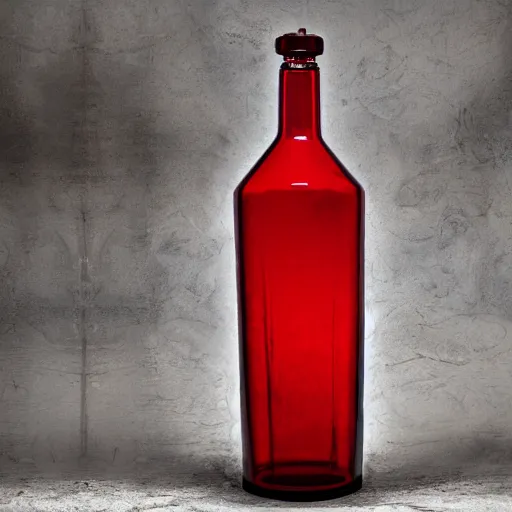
124, 128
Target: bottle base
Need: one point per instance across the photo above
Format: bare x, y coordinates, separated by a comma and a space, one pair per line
306, 495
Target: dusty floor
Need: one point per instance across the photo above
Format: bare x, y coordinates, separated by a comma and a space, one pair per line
481, 489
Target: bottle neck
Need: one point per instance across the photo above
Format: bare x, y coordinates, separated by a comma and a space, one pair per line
299, 102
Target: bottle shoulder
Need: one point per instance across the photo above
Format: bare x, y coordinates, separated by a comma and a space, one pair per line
291, 163
346, 173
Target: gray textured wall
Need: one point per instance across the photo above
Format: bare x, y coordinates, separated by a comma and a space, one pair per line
124, 128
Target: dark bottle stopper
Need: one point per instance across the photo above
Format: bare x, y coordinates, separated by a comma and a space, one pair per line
299, 44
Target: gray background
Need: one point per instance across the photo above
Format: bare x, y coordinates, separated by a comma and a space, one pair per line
124, 128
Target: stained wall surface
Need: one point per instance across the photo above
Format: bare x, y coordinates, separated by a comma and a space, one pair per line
124, 128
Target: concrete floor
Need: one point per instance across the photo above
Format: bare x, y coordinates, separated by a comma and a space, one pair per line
485, 489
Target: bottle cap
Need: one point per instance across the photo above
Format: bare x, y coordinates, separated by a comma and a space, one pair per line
299, 44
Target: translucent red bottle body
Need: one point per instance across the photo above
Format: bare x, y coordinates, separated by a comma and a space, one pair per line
299, 227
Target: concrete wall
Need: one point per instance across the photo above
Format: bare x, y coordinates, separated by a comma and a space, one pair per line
124, 128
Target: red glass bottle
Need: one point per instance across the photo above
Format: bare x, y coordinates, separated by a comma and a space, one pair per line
299, 234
